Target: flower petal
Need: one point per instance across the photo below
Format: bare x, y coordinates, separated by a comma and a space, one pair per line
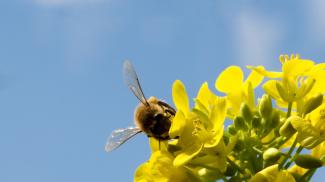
296, 67
255, 78
177, 125
180, 97
230, 80
187, 154
261, 70
270, 88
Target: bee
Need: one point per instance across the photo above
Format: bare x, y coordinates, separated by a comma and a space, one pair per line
152, 116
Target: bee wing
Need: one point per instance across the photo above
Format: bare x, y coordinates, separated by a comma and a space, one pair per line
132, 80
119, 136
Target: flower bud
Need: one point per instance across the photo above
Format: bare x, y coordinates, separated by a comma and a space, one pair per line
287, 129
239, 146
312, 103
271, 155
308, 161
256, 122
275, 119
232, 130
246, 112
240, 123
265, 107
310, 142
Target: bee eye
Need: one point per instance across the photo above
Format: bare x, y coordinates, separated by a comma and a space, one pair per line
158, 116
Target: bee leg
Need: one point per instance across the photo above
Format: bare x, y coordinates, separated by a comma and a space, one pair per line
170, 112
159, 143
168, 108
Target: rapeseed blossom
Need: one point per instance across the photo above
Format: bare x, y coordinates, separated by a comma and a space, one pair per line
240, 137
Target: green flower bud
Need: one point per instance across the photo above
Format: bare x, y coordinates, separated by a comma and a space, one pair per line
246, 112
313, 103
239, 146
275, 119
265, 107
287, 129
311, 141
232, 130
240, 123
256, 122
271, 155
308, 161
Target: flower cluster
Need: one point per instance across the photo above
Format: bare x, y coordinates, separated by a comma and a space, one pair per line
236, 137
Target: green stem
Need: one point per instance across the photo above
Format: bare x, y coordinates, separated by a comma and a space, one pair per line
288, 153
307, 176
294, 157
289, 109
257, 150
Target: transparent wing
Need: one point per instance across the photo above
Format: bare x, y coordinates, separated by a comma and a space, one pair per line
119, 136
132, 80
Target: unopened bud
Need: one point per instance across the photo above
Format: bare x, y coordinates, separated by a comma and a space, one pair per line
240, 123
232, 130
246, 112
265, 107
256, 122
275, 119
313, 103
310, 142
271, 155
287, 129
308, 161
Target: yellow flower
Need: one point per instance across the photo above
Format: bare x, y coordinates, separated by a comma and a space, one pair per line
231, 82
272, 174
201, 127
299, 80
297, 170
311, 131
319, 152
160, 168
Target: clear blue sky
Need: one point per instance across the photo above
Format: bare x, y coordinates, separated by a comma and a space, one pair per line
61, 71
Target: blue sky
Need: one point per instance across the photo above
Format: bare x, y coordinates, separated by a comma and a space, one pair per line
61, 71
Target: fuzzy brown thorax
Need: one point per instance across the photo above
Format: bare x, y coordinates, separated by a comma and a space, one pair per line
155, 118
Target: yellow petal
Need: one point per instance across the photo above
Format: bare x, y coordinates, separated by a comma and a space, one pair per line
177, 125
205, 96
319, 86
230, 80
261, 70
187, 154
255, 78
319, 151
266, 175
141, 174
218, 113
180, 97
297, 67
270, 88
157, 145
284, 176
215, 140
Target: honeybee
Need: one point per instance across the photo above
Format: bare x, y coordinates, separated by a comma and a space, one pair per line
152, 116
